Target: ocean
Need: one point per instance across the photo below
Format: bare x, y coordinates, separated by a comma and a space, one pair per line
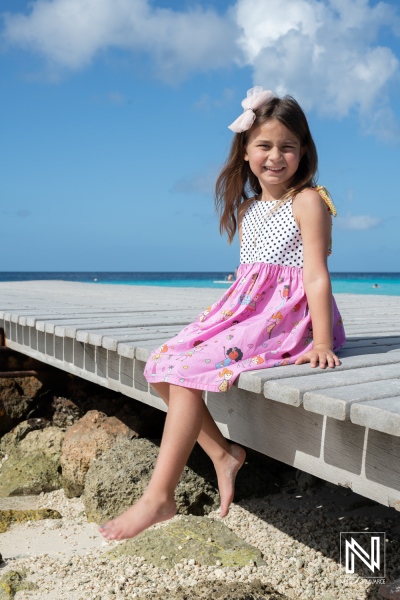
348, 283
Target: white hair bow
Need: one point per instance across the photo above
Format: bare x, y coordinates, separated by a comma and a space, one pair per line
256, 97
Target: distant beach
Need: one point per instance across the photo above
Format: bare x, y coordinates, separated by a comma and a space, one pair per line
342, 283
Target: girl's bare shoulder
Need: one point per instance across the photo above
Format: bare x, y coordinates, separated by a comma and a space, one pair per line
308, 197
309, 200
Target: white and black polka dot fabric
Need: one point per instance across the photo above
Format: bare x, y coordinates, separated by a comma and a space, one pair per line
271, 237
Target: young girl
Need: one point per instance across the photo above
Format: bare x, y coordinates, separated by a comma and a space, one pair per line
279, 311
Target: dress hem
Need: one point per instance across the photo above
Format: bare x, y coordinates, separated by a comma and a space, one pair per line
176, 381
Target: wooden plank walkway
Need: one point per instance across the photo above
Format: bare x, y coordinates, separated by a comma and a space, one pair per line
342, 425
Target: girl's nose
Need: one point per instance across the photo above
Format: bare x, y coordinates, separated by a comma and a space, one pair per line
274, 153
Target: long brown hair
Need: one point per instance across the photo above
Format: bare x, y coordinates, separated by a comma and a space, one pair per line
236, 182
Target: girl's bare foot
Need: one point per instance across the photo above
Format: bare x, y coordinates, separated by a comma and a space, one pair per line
227, 470
145, 513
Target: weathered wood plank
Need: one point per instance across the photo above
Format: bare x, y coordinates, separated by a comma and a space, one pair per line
373, 341
255, 381
336, 402
292, 390
69, 327
381, 415
109, 338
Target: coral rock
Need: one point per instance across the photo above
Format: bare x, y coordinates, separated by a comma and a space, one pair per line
84, 441
118, 479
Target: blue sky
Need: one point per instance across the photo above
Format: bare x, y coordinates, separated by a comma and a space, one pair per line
115, 115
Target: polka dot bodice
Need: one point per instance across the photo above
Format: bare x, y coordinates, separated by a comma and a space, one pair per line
271, 237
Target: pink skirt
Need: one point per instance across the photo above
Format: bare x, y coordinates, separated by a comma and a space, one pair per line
261, 321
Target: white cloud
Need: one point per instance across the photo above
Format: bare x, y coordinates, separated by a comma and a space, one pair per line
382, 123
357, 222
71, 33
325, 53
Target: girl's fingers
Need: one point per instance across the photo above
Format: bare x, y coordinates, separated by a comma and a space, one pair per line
302, 359
330, 360
321, 358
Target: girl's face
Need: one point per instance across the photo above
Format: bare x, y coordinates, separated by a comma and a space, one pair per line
233, 355
274, 153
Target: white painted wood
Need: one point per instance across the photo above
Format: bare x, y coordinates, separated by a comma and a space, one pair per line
381, 415
373, 341
292, 390
69, 327
336, 402
255, 381
111, 338
341, 452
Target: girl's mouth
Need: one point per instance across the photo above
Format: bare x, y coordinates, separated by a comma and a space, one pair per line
274, 169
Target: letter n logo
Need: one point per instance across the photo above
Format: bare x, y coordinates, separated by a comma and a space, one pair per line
364, 553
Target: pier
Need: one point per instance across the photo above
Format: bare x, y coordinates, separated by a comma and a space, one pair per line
342, 424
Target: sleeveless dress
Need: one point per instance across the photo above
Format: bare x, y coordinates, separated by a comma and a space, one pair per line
261, 321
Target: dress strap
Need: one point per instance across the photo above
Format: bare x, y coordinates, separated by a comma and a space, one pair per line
326, 197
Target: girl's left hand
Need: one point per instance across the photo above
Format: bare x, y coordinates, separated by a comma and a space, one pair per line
319, 354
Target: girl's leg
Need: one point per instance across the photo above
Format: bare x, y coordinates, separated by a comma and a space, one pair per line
227, 457
182, 427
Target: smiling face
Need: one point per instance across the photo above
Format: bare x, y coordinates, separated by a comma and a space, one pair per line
274, 153
233, 354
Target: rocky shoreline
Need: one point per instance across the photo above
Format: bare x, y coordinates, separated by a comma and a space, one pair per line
70, 446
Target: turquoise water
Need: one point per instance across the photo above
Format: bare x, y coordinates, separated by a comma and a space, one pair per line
348, 283
388, 285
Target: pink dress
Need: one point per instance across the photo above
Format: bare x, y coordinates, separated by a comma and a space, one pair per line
261, 321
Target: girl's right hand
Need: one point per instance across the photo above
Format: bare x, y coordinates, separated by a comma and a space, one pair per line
319, 354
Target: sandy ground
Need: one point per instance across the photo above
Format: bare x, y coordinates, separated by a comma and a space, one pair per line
59, 537
73, 535
41, 543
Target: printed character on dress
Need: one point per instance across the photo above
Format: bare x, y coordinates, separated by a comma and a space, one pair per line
227, 375
226, 314
157, 357
232, 355
246, 298
170, 368
251, 303
284, 293
255, 360
204, 314
276, 319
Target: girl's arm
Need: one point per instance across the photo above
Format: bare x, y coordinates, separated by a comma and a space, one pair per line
314, 222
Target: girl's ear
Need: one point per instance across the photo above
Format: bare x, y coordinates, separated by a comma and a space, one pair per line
303, 150
246, 156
